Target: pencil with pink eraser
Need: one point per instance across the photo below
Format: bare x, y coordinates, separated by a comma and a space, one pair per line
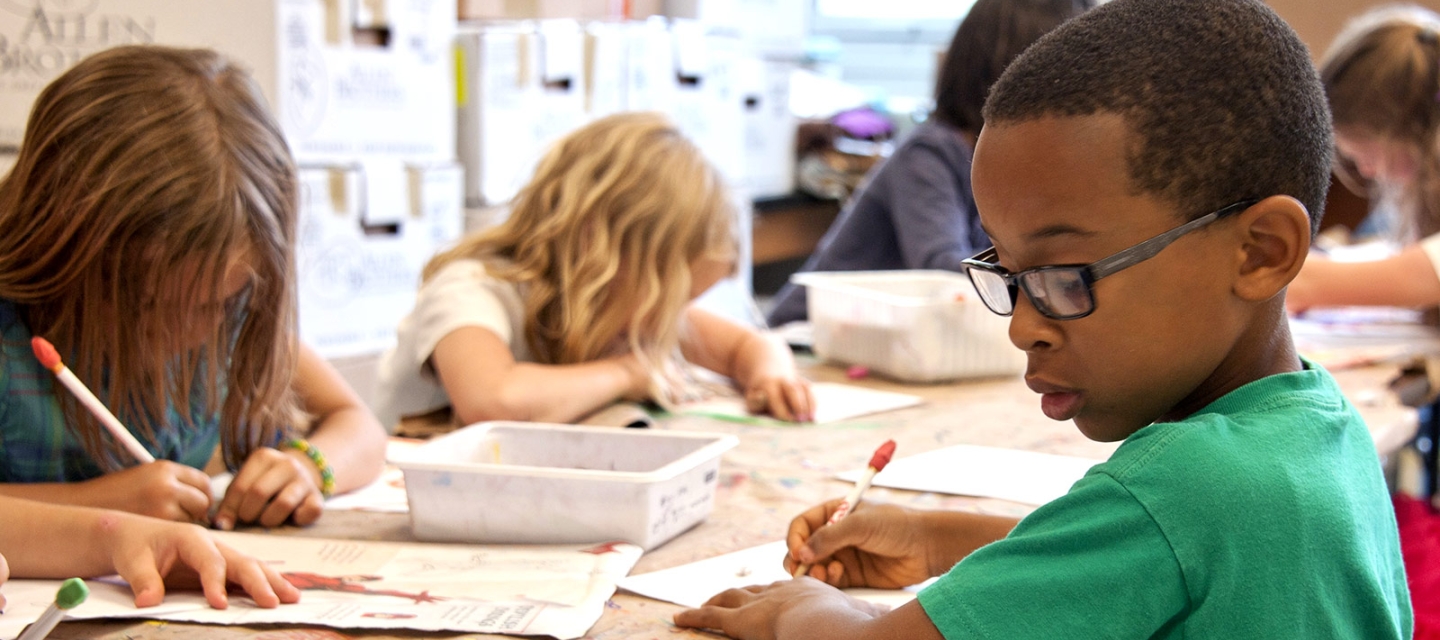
877, 463
48, 356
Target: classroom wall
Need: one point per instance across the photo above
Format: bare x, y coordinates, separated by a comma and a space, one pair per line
1317, 21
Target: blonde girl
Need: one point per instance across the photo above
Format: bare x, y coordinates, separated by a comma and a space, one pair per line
1382, 77
582, 297
149, 234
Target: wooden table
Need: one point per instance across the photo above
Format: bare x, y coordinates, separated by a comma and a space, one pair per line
778, 471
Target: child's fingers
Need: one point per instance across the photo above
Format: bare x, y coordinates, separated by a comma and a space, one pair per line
797, 393
287, 592
228, 513
203, 556
290, 500
140, 570
254, 496
194, 502
250, 574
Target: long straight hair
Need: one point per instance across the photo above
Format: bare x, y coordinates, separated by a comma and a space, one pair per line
145, 174
990, 36
602, 239
1382, 78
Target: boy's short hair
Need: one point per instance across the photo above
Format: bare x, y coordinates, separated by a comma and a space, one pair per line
1221, 96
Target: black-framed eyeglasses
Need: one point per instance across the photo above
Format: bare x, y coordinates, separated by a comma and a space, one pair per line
1065, 292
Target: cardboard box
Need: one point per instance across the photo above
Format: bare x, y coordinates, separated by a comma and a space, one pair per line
335, 101
605, 71
707, 103
499, 98
542, 9
359, 258
769, 127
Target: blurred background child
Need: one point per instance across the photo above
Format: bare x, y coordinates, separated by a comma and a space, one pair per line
150, 230
916, 210
1382, 78
582, 297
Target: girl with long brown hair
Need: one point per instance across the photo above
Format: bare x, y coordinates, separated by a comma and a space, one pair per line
1382, 78
582, 296
149, 231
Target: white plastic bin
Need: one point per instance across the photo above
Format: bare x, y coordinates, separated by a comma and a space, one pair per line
915, 326
509, 482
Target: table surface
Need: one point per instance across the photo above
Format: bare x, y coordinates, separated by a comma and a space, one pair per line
777, 472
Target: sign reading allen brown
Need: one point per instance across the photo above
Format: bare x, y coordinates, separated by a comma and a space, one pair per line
55, 34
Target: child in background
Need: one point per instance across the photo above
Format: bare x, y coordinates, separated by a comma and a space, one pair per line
582, 297
1382, 76
45, 541
149, 234
1152, 174
916, 210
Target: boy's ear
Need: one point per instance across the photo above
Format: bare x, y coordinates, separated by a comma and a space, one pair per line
1274, 240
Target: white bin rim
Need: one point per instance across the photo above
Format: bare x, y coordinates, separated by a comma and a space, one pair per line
854, 283
415, 458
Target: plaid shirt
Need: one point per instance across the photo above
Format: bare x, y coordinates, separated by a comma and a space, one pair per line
36, 445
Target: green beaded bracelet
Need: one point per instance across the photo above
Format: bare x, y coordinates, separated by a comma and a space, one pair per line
327, 473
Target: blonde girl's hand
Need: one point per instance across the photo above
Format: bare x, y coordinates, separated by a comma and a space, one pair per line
786, 396
638, 381
151, 554
273, 486
160, 489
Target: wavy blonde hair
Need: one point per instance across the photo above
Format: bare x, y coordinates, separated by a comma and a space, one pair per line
145, 172
603, 237
1382, 77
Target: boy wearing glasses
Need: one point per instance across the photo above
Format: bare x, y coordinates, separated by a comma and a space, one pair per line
1151, 174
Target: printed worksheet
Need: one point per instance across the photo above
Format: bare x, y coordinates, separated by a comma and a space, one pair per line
692, 584
834, 402
521, 590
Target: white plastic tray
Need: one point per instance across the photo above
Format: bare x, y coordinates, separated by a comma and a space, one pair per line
511, 482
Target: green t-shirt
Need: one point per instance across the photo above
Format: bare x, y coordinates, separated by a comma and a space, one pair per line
1262, 516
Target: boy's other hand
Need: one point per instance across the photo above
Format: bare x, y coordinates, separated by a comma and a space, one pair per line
752, 613
273, 486
160, 489
150, 554
876, 545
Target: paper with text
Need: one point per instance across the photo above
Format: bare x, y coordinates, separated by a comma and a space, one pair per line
523, 590
692, 584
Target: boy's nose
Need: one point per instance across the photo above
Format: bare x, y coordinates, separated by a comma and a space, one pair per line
1030, 330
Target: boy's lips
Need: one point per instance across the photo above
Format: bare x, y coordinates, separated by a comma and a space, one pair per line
1057, 402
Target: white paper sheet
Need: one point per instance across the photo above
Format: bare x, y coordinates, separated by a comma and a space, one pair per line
692, 584
968, 470
522, 590
834, 402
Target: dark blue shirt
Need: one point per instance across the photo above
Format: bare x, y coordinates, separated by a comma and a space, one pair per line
915, 212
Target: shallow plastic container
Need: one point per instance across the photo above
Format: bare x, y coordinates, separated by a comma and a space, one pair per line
513, 482
915, 326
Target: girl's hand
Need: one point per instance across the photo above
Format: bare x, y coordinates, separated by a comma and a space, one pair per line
160, 489
752, 613
786, 396
150, 554
638, 388
273, 486
877, 545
